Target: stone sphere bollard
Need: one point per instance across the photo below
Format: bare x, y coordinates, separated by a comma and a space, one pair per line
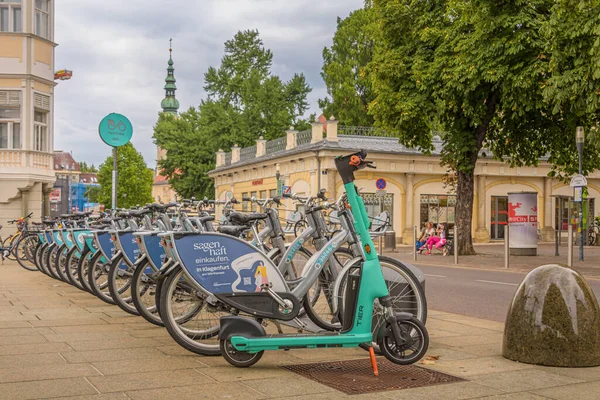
553, 320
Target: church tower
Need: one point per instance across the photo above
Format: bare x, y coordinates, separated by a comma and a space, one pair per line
161, 190
170, 104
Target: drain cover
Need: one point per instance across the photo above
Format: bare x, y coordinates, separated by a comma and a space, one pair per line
356, 376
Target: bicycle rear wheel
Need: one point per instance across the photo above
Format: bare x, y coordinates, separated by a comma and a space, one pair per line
25, 251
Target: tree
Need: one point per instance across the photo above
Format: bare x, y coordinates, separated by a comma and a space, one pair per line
245, 101
83, 167
573, 49
134, 185
476, 69
344, 69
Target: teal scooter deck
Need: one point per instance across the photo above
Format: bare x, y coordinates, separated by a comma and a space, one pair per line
300, 341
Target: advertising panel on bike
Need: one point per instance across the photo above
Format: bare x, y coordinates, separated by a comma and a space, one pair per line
57, 237
129, 246
224, 264
154, 249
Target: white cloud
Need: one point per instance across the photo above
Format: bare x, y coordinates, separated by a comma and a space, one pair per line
118, 52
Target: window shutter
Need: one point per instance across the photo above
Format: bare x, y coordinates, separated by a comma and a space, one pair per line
11, 98
42, 102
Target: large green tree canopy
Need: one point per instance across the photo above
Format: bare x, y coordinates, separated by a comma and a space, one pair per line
134, 182
245, 101
344, 69
477, 70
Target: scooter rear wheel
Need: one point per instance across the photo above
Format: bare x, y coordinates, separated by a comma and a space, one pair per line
240, 359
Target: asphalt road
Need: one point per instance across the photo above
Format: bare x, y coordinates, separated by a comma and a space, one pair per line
476, 293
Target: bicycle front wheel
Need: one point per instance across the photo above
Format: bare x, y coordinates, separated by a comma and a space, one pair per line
190, 320
24, 251
406, 292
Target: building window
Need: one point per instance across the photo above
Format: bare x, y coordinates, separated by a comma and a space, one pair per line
10, 119
437, 208
244, 203
42, 18
253, 205
40, 131
10, 16
273, 193
374, 203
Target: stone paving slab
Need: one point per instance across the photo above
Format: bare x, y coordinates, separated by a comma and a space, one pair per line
71, 345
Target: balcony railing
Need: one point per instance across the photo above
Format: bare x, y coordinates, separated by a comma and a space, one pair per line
12, 158
363, 131
25, 159
276, 145
303, 137
248, 153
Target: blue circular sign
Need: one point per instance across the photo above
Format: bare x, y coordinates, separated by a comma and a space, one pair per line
381, 184
115, 130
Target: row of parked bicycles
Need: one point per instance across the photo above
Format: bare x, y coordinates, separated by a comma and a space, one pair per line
217, 288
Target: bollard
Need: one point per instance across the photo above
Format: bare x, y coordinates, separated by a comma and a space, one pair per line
570, 246
455, 244
556, 253
414, 245
506, 247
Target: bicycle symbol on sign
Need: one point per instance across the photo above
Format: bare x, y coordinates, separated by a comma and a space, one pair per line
120, 125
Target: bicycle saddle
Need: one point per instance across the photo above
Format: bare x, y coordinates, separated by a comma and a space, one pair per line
205, 218
161, 207
239, 218
232, 230
137, 213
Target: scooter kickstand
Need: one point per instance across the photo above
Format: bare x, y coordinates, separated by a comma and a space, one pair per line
373, 361
278, 325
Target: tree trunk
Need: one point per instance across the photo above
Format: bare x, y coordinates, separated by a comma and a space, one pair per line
463, 216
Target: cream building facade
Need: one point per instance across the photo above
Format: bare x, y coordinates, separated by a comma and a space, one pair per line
416, 192
26, 107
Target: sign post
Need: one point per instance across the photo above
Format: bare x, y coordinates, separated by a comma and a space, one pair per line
115, 130
381, 184
578, 182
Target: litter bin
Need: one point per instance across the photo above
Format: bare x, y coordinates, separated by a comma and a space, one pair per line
389, 240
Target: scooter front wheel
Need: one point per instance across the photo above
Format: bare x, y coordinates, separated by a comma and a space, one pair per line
240, 359
416, 342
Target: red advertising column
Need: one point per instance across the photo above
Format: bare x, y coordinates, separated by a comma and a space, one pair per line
522, 220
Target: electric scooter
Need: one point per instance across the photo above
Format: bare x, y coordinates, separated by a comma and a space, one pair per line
402, 339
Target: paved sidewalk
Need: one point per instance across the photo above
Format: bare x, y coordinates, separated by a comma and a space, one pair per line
491, 256
58, 342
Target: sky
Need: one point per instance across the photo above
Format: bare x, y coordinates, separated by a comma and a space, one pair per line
118, 53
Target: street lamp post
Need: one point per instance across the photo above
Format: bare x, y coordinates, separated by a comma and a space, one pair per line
580, 139
277, 176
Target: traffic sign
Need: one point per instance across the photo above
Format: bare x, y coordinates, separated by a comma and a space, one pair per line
115, 130
578, 180
381, 192
381, 184
286, 189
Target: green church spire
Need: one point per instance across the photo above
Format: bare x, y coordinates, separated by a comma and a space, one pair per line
170, 103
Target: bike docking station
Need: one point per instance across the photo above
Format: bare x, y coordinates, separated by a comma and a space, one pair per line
239, 275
